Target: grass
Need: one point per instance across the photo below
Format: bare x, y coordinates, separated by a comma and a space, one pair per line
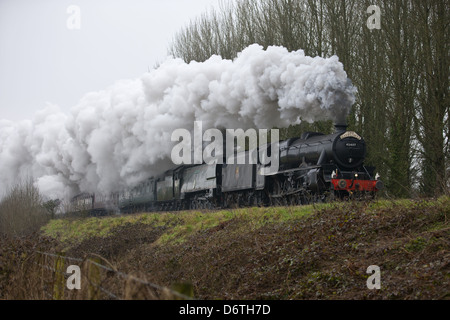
180, 225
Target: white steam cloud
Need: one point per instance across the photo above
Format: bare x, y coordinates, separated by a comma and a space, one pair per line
117, 137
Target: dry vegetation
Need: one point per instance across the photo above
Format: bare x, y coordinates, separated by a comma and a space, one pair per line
319, 252
22, 210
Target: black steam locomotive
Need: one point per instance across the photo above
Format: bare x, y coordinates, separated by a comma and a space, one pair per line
315, 167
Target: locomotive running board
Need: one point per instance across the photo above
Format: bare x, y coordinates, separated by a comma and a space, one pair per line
287, 194
292, 170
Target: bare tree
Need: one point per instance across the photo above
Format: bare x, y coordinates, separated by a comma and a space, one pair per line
431, 28
22, 211
401, 71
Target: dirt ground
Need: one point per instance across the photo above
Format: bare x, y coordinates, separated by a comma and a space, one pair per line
323, 256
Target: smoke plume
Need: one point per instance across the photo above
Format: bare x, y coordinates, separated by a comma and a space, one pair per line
119, 136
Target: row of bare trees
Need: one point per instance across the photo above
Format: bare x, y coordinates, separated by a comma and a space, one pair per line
401, 71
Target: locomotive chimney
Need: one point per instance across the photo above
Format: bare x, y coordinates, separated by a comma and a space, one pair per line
340, 127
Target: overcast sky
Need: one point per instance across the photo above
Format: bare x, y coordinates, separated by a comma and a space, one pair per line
45, 58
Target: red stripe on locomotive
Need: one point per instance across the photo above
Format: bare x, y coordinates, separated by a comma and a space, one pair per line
355, 185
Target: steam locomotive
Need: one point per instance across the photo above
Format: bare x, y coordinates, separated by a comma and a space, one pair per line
315, 167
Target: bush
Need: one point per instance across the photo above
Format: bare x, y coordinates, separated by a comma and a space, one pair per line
22, 210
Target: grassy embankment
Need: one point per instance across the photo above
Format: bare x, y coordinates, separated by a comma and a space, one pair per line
306, 252
178, 226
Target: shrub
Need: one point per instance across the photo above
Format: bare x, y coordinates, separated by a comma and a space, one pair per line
22, 210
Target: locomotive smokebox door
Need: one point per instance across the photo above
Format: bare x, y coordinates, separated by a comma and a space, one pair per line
349, 150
